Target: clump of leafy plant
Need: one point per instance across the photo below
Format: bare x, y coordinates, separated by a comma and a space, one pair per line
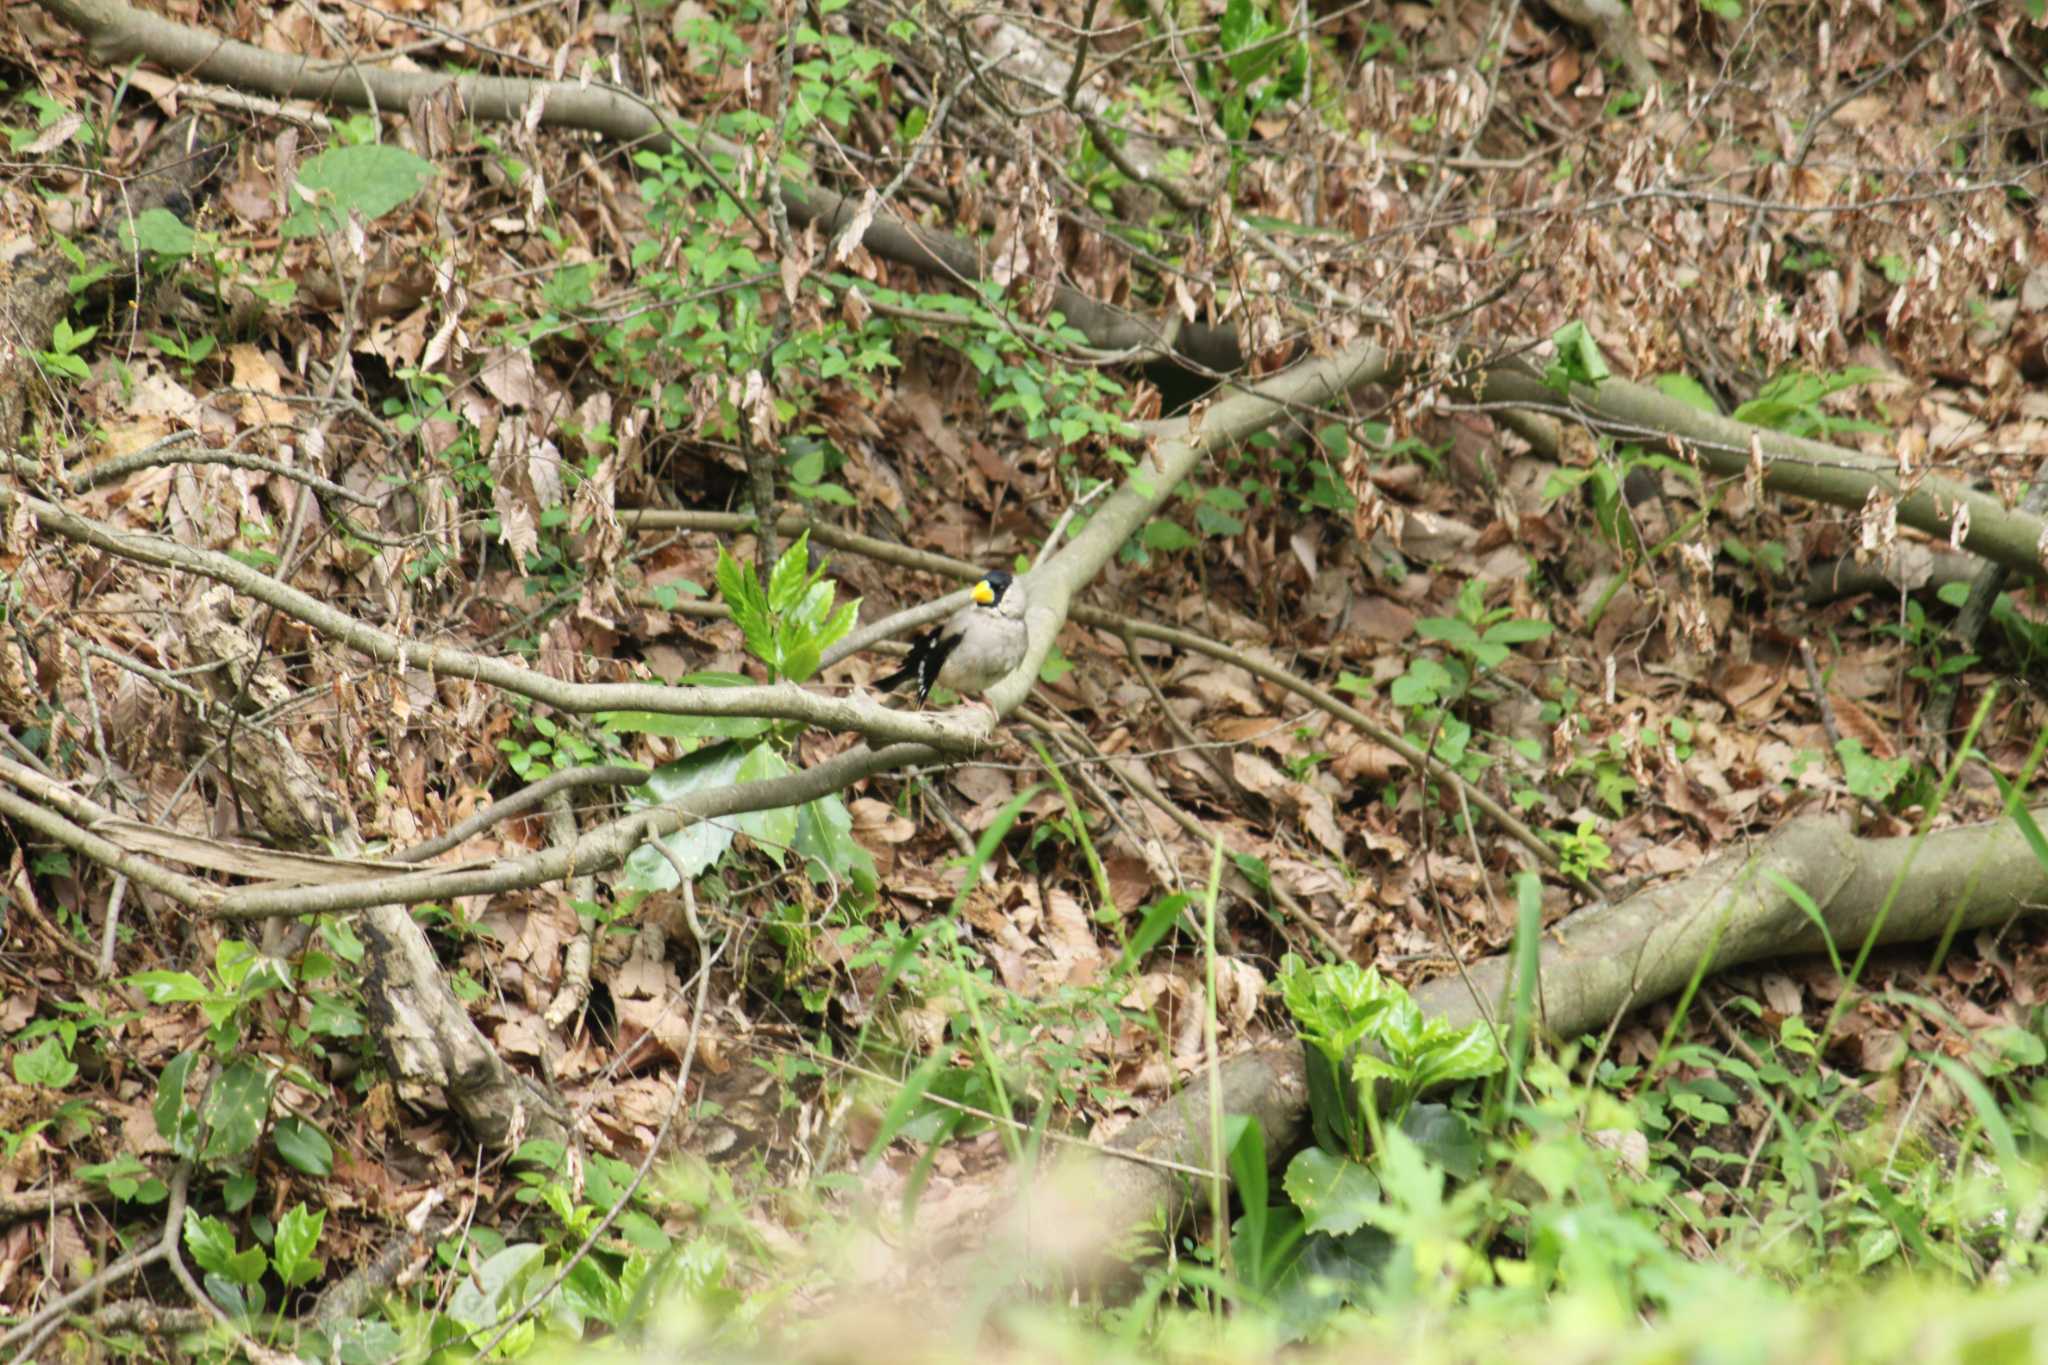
788, 624
1370, 1054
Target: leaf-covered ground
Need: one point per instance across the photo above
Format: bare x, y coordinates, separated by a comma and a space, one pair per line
1826, 222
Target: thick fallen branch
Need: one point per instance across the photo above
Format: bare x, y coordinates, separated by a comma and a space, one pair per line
1594, 966
1939, 506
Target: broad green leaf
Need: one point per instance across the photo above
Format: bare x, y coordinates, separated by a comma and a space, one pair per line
699, 845
773, 831
1334, 1193
160, 231
45, 1064
481, 1294
303, 1146
235, 1108
369, 181
1446, 1056
1686, 390
169, 988
1455, 633
824, 836
1167, 536
212, 1244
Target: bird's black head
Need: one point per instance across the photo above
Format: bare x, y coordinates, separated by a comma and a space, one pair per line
992, 586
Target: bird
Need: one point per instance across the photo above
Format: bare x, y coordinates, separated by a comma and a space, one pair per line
975, 649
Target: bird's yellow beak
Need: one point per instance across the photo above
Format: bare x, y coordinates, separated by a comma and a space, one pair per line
984, 594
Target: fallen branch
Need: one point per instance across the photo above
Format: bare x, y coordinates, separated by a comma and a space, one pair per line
1941, 507
1593, 967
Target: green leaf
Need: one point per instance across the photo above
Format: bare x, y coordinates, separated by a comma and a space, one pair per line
160, 231
212, 1244
1334, 1193
45, 1064
303, 1147
235, 1108
824, 837
773, 830
1158, 919
700, 845
1214, 521
1446, 1137
494, 1285
1423, 684
298, 1233
1447, 630
742, 594
1445, 1056
1167, 537
176, 1122
1686, 390
369, 181
1334, 1005
790, 579
169, 988
1517, 632
1578, 359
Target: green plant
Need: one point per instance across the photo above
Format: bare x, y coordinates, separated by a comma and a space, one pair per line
1479, 638
552, 749
1790, 402
787, 625
1436, 688
1259, 64
1576, 359
791, 622
1371, 1051
361, 181
1582, 852
232, 1274
66, 342
1610, 767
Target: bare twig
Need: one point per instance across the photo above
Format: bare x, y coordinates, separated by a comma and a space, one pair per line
520, 802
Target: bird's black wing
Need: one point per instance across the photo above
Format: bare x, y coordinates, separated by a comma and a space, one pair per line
928, 654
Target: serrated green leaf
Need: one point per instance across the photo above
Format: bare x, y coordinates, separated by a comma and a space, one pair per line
298, 1233
790, 579
212, 1244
